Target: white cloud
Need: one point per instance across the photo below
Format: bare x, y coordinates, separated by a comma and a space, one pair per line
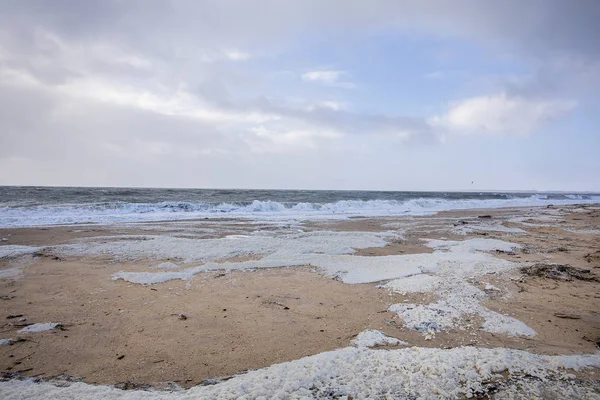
235, 55
327, 105
501, 114
329, 78
273, 140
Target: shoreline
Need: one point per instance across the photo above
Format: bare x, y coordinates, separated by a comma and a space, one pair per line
237, 320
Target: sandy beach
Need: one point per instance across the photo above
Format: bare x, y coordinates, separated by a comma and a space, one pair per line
177, 304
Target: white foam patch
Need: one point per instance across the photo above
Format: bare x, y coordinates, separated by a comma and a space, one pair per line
493, 226
12, 251
498, 323
583, 231
205, 250
471, 245
347, 268
445, 271
330, 251
167, 265
40, 327
413, 284
10, 272
452, 263
540, 218
427, 318
363, 374
153, 278
458, 301
372, 338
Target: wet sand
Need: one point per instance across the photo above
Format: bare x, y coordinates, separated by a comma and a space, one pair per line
115, 331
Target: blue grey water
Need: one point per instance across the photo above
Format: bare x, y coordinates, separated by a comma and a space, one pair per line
33, 206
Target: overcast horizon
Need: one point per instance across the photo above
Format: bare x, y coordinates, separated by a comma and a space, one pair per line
313, 95
315, 190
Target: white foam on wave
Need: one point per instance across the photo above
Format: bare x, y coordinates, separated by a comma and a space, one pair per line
363, 373
135, 212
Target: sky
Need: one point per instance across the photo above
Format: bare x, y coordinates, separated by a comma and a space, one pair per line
344, 94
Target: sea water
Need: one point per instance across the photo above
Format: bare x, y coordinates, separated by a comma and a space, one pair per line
39, 206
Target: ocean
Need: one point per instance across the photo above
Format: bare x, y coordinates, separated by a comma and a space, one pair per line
42, 206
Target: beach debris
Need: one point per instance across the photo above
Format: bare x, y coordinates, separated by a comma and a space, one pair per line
128, 385
596, 340
181, 317
592, 257
14, 316
215, 381
508, 253
567, 316
275, 303
558, 272
46, 254
3, 239
121, 357
484, 216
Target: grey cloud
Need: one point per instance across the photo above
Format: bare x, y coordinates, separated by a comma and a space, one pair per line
184, 44
171, 29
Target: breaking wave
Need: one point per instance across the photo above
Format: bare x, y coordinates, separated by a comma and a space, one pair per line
114, 212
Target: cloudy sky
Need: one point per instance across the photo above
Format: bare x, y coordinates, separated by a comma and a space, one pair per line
397, 95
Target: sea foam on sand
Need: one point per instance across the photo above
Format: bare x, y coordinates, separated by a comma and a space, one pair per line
361, 373
12, 251
330, 251
372, 338
46, 326
460, 261
445, 271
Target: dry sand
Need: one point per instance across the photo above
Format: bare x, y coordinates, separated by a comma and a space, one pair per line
115, 332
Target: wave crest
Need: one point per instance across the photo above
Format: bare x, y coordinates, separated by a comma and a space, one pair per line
111, 212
